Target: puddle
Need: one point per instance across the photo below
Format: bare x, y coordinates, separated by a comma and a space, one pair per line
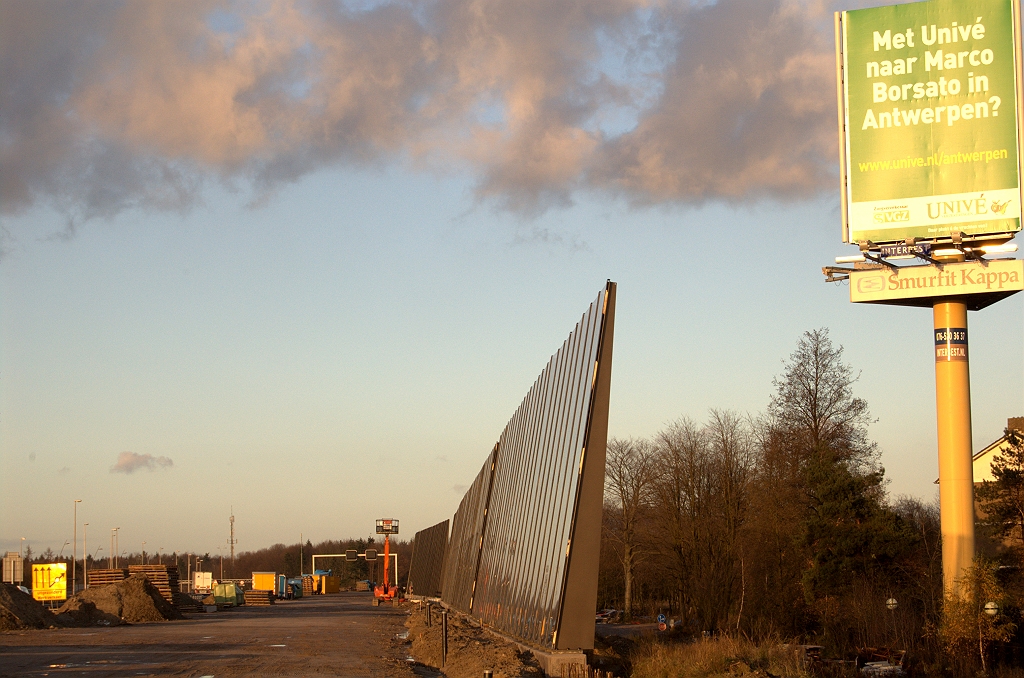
403, 636
278, 646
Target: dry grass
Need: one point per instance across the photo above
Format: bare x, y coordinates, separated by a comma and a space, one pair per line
721, 656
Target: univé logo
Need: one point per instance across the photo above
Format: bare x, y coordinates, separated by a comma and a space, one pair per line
889, 215
870, 283
973, 207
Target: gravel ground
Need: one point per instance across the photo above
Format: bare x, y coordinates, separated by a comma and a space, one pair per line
334, 635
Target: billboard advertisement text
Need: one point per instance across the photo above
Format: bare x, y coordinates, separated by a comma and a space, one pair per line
930, 100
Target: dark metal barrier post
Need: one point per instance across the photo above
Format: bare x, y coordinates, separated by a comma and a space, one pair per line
444, 637
429, 620
488, 673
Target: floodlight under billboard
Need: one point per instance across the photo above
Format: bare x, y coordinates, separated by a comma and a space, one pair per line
929, 114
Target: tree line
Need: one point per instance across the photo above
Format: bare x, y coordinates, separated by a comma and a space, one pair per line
778, 525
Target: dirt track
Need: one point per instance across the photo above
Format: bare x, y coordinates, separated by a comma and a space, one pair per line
335, 635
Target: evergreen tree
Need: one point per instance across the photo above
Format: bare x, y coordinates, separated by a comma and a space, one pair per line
1003, 497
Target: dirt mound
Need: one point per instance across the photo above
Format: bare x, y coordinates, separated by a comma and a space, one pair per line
133, 600
18, 610
470, 649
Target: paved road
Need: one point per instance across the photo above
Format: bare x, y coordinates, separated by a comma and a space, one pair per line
625, 630
335, 635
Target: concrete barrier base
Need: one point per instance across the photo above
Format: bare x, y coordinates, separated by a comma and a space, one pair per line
553, 662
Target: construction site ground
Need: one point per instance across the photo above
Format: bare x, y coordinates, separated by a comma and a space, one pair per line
334, 635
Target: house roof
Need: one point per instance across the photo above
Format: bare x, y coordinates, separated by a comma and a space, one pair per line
981, 462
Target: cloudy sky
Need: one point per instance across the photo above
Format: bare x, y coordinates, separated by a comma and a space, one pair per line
303, 259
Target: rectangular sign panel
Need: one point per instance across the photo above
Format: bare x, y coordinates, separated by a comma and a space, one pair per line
50, 581
952, 280
930, 106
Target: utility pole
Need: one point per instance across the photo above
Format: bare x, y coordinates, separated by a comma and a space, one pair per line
74, 551
85, 556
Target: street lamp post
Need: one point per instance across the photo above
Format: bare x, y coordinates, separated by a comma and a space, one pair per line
74, 551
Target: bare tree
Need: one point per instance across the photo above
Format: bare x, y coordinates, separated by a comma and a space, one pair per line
732, 457
702, 495
814, 403
629, 472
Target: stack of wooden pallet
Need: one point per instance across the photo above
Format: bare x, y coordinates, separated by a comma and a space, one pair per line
100, 577
163, 577
307, 585
259, 597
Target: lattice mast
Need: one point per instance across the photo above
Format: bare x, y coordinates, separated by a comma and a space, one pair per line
231, 540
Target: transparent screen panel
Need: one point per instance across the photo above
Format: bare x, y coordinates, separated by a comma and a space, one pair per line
426, 568
536, 480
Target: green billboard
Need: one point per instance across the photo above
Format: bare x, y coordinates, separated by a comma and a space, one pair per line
929, 115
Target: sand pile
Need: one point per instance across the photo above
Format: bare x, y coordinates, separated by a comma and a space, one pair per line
133, 600
18, 610
470, 649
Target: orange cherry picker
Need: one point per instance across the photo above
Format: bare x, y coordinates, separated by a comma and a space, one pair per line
386, 590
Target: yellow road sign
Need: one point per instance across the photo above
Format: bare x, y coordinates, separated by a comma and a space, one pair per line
50, 581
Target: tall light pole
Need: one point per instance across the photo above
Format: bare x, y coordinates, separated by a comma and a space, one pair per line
85, 556
22, 546
117, 545
74, 551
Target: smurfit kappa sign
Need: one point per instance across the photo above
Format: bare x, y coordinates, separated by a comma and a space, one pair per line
951, 280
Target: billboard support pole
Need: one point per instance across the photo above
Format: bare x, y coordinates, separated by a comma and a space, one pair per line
953, 416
